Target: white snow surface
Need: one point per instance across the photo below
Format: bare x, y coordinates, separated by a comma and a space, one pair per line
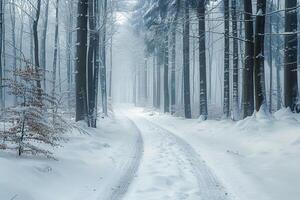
142, 154
256, 158
89, 167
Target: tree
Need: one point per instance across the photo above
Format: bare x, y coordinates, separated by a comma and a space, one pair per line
36, 48
103, 59
248, 95
235, 66
33, 124
81, 53
202, 59
226, 103
259, 71
1, 54
290, 55
55, 49
186, 61
43, 43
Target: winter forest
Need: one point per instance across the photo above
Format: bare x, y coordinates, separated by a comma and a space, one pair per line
149, 99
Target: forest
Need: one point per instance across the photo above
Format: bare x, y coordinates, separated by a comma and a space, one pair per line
149, 99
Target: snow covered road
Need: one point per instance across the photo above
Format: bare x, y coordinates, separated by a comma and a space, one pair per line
170, 169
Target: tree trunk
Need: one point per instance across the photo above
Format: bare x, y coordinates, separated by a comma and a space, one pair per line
1, 54
69, 43
166, 74
271, 58
103, 60
186, 61
290, 55
36, 50
81, 53
43, 44
259, 71
55, 50
90, 61
202, 60
14, 45
235, 66
226, 106
278, 60
173, 70
158, 74
154, 81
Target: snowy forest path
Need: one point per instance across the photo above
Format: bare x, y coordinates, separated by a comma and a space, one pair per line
129, 166
171, 169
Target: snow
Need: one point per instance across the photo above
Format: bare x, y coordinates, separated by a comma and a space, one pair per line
143, 154
256, 158
87, 166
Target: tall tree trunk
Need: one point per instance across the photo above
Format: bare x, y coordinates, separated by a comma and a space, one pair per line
271, 58
69, 43
186, 61
259, 70
166, 74
158, 74
248, 93
202, 60
154, 81
1, 54
13, 35
90, 61
226, 103
81, 54
96, 66
36, 50
103, 59
290, 55
278, 60
235, 66
55, 50
43, 44
173, 70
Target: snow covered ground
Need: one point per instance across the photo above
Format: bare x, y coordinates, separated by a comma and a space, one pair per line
89, 167
257, 158
143, 154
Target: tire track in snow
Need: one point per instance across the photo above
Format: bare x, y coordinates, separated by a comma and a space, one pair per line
209, 186
129, 169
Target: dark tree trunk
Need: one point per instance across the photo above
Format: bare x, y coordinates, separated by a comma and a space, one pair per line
1, 54
186, 61
36, 50
226, 103
90, 61
248, 85
81, 54
290, 55
259, 71
202, 60
235, 66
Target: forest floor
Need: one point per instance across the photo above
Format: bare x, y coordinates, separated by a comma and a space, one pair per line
142, 154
